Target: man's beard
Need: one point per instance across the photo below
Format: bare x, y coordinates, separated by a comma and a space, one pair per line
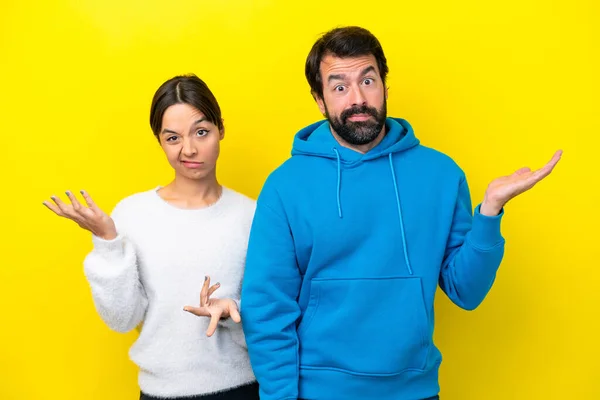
359, 132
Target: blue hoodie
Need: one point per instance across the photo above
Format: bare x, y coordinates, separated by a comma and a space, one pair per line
345, 254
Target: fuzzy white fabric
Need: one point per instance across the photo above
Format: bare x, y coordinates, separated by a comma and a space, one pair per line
154, 268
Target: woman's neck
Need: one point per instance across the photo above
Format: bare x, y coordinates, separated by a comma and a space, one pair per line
188, 193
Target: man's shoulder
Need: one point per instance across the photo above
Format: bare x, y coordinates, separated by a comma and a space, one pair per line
287, 170
436, 159
284, 179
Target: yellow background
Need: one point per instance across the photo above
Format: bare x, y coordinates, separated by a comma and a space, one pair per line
497, 85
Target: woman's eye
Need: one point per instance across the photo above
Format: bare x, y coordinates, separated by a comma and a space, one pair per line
171, 138
202, 132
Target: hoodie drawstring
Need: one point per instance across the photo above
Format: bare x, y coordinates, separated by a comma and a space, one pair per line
400, 216
339, 203
339, 182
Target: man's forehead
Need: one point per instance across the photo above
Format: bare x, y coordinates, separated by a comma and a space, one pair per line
331, 64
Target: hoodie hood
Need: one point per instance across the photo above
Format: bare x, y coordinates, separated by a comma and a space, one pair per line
317, 140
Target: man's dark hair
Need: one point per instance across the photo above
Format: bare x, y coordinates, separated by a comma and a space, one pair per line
345, 42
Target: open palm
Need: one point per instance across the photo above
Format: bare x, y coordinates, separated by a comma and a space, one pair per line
90, 217
216, 309
503, 189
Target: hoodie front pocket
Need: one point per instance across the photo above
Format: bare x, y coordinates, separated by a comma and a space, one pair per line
365, 326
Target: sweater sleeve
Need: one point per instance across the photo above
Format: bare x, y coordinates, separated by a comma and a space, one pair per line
112, 271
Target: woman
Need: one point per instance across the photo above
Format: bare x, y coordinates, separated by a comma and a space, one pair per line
151, 254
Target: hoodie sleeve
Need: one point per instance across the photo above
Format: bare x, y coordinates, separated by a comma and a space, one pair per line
269, 300
112, 272
473, 254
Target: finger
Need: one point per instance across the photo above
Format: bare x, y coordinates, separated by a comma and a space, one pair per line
198, 311
546, 169
214, 322
74, 202
556, 157
552, 163
65, 209
543, 172
234, 314
522, 171
89, 201
59, 203
53, 207
213, 288
204, 291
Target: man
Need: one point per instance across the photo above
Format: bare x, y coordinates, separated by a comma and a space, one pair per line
351, 237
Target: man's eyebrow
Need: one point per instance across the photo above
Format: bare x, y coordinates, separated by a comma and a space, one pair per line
336, 77
341, 77
365, 71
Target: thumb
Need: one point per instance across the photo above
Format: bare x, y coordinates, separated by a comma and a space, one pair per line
234, 314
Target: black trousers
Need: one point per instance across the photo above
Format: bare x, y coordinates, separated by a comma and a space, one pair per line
246, 392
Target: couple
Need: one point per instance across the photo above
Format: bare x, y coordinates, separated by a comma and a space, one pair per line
333, 270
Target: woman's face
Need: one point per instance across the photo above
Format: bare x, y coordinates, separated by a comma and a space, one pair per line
190, 142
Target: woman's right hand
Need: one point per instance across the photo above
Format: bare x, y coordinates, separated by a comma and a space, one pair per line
90, 218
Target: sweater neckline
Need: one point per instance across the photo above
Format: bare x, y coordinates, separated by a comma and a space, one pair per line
213, 207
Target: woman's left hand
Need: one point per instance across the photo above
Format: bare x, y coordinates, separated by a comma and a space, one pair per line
216, 309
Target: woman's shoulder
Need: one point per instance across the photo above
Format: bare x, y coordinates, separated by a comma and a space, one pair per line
136, 203
240, 201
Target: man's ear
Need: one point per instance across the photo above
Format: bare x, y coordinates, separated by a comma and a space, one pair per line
320, 102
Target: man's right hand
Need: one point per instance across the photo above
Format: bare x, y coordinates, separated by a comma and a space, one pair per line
90, 218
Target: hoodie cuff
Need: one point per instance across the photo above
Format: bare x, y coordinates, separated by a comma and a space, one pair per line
485, 231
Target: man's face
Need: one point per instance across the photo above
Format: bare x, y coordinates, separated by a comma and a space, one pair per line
354, 98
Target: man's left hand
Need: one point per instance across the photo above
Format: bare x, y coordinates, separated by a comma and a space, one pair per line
502, 189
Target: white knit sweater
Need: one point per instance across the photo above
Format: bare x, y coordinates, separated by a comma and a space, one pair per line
154, 268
